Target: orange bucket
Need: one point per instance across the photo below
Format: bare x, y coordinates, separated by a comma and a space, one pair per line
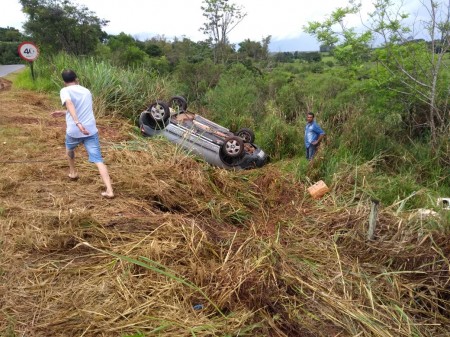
318, 189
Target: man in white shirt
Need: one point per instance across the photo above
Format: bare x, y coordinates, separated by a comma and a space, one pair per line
81, 127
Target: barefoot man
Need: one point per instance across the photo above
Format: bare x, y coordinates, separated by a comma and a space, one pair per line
81, 127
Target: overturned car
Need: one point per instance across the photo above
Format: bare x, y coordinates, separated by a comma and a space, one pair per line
215, 144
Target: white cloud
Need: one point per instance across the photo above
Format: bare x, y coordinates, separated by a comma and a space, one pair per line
11, 14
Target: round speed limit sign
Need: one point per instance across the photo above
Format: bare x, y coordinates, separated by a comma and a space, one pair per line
28, 51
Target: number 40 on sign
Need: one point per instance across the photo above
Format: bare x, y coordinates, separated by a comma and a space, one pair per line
28, 51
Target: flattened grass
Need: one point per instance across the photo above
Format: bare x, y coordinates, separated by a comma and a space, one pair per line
186, 249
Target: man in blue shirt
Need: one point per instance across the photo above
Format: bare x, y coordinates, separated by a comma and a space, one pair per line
313, 136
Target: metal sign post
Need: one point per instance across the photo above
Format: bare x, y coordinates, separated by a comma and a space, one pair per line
29, 52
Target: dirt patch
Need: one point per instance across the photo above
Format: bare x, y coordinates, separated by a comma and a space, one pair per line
5, 84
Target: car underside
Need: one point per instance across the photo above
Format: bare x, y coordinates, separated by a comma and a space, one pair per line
214, 143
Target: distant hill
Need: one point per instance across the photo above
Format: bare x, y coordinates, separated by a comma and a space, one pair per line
301, 43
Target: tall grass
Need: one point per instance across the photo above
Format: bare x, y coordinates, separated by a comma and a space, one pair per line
116, 91
235, 102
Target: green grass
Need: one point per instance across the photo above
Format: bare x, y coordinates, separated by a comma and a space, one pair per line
125, 92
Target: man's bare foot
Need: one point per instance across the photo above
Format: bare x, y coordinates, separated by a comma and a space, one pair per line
108, 195
73, 176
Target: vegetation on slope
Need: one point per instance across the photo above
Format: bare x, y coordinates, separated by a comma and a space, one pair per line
186, 249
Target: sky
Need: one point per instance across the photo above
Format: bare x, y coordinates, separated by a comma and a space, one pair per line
282, 19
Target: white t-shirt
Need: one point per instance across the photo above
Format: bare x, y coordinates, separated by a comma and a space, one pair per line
82, 100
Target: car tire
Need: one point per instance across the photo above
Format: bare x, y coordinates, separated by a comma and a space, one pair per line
178, 104
233, 147
246, 134
157, 115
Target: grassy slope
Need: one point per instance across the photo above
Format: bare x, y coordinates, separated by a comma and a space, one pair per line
253, 248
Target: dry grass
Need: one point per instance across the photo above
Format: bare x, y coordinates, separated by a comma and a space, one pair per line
252, 247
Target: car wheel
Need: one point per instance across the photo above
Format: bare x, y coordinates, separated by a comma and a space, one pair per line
233, 147
158, 115
178, 104
246, 134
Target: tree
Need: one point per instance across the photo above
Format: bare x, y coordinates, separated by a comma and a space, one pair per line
125, 50
415, 69
59, 25
284, 57
186, 50
309, 56
256, 50
221, 18
10, 38
197, 79
417, 65
10, 34
350, 48
153, 50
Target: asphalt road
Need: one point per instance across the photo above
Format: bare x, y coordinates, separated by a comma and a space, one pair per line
7, 69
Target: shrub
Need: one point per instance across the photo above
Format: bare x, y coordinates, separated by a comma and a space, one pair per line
195, 79
317, 68
235, 102
9, 53
291, 99
279, 139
